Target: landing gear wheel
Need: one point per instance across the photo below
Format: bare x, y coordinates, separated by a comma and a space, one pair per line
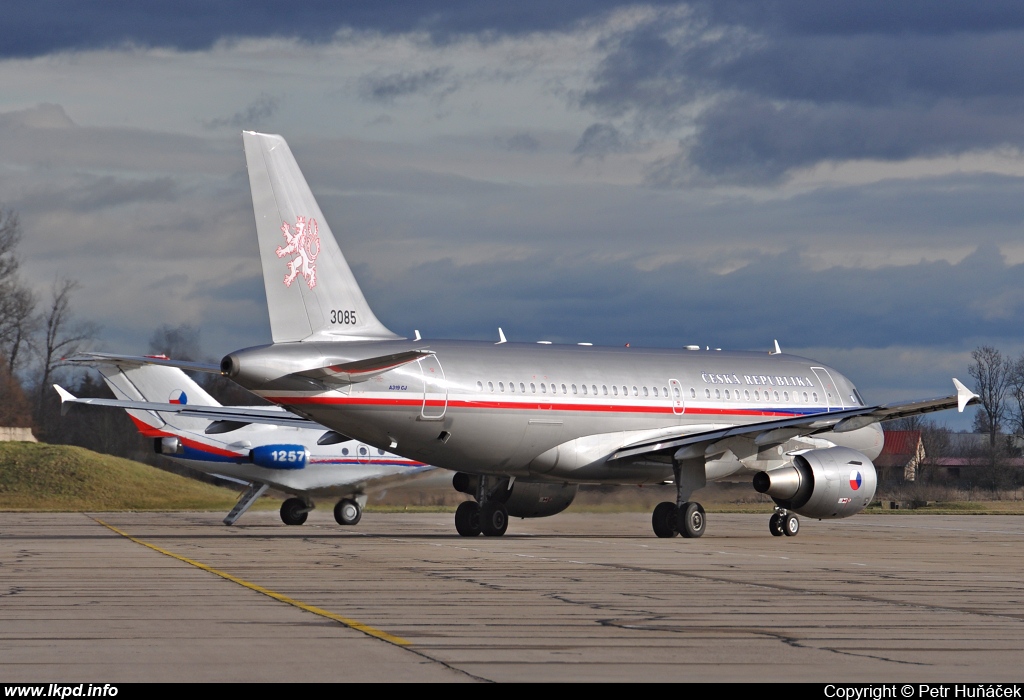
692, 520
293, 511
467, 519
791, 525
493, 518
775, 525
347, 512
665, 520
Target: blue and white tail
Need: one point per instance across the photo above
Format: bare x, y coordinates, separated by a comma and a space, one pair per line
141, 382
311, 292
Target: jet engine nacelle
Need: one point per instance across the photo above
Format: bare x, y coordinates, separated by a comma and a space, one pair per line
832, 483
526, 499
168, 446
280, 456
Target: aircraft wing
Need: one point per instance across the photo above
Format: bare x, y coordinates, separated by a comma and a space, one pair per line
688, 445
269, 415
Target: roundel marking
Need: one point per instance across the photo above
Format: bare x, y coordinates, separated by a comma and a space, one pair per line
178, 397
855, 480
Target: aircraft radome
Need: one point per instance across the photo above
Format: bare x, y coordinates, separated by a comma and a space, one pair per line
523, 424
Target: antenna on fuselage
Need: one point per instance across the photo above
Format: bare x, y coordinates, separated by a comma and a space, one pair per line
777, 350
501, 334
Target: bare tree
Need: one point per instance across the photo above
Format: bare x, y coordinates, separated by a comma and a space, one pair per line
182, 342
1016, 396
177, 342
906, 423
10, 236
991, 373
20, 326
63, 336
15, 410
18, 322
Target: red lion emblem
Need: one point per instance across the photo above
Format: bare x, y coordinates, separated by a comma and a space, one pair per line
304, 244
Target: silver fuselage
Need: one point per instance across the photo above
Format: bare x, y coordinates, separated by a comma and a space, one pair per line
554, 412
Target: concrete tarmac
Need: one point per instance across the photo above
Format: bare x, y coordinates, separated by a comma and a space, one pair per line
121, 597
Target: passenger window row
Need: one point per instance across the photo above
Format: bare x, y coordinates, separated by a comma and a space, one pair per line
758, 395
647, 392
576, 390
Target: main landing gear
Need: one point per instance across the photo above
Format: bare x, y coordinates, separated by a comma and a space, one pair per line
486, 515
783, 522
684, 517
688, 520
294, 511
348, 512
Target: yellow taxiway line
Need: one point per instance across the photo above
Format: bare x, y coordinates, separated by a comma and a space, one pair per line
348, 622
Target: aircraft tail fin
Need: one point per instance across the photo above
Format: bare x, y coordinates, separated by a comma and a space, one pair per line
154, 383
311, 291
141, 382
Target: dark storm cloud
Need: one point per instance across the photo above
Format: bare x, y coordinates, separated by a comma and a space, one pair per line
522, 143
549, 298
598, 140
93, 193
865, 16
749, 140
385, 88
781, 85
254, 114
44, 26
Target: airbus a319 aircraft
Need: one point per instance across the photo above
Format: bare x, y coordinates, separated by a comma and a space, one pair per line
526, 423
290, 455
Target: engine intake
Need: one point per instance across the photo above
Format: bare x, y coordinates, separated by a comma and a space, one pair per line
834, 483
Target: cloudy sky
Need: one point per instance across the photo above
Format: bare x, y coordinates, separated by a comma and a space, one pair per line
845, 177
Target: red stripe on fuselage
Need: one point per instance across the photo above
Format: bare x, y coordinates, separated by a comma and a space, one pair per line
151, 432
146, 429
530, 406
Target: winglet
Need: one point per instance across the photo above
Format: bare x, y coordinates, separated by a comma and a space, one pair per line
65, 396
501, 334
777, 350
964, 395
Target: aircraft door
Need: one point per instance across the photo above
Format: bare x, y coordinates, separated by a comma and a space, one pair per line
832, 398
676, 391
435, 389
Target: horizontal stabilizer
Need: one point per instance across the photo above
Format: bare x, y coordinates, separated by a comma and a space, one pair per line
362, 370
269, 415
93, 358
